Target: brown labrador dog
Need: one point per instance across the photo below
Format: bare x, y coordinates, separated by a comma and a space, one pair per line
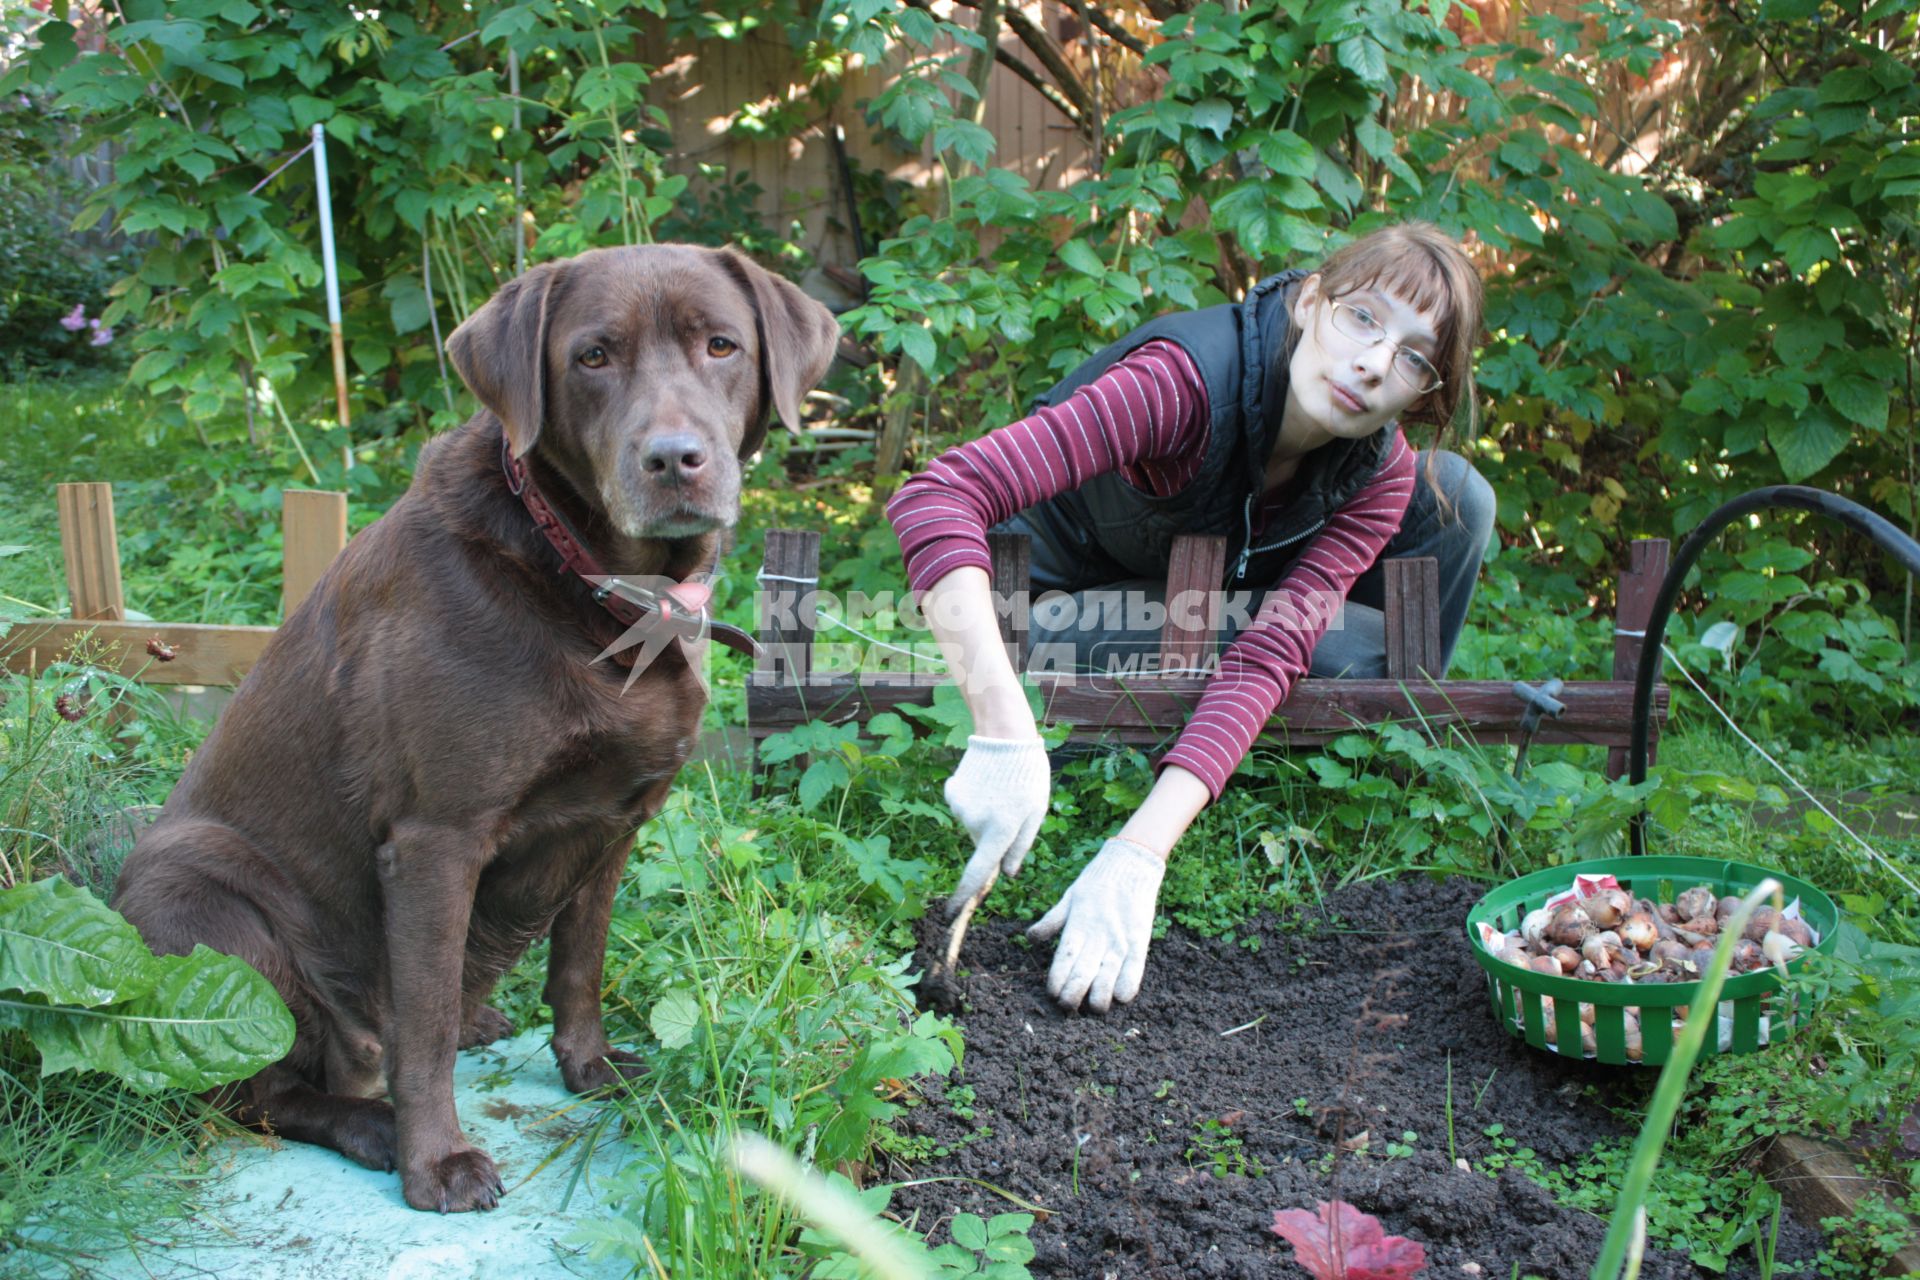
428, 769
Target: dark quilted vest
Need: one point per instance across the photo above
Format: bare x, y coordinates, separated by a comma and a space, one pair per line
1107, 530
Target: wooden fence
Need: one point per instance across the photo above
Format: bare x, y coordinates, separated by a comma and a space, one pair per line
785, 691
314, 523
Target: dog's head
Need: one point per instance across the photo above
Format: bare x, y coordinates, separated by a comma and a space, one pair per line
647, 375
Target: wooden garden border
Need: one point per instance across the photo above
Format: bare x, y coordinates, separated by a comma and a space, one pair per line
1821, 1179
315, 526
785, 691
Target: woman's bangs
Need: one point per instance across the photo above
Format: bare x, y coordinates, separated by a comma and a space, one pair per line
1414, 278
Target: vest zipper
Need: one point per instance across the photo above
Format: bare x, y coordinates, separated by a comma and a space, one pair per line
1246, 543
1248, 550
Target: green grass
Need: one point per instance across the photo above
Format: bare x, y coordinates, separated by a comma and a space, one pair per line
775, 1003
86, 1167
1627, 1233
84, 1164
62, 783
1744, 810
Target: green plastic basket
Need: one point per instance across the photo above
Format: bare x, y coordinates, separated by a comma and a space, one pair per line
1751, 1001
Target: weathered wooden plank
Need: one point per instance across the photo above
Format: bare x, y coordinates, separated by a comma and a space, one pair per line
1148, 710
1646, 569
1413, 618
1195, 571
788, 595
92, 551
789, 587
202, 654
1820, 1180
1012, 555
313, 523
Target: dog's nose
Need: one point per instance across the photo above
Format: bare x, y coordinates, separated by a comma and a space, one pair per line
674, 456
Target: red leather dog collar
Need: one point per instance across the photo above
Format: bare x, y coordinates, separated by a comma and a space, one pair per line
682, 606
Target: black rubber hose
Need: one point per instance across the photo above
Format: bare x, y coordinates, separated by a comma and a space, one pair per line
1792, 496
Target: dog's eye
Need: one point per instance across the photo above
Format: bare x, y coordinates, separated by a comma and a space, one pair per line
594, 357
720, 348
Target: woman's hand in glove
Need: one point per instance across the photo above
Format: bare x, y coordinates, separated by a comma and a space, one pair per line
1000, 794
1105, 923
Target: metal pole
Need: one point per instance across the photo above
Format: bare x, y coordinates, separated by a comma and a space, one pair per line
325, 199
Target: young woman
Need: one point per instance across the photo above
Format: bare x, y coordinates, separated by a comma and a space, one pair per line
1273, 421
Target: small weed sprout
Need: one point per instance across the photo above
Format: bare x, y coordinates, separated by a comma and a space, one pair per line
1221, 1150
1509, 1154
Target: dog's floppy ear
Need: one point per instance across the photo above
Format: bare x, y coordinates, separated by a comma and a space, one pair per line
501, 353
797, 341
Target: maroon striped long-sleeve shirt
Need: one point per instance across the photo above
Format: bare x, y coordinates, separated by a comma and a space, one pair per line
1147, 417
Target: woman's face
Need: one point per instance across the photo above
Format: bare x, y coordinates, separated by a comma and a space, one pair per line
1342, 385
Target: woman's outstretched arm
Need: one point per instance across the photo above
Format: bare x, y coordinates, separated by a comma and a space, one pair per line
1146, 416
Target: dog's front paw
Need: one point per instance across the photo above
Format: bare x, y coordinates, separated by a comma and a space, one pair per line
366, 1135
611, 1067
484, 1025
455, 1183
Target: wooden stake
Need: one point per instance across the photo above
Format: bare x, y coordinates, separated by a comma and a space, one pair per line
1012, 556
92, 551
1413, 618
1646, 569
1195, 571
340, 379
789, 586
314, 528
910, 383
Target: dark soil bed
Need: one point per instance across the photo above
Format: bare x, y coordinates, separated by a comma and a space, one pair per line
1103, 1120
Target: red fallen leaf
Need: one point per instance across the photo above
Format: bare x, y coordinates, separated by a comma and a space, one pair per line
1338, 1242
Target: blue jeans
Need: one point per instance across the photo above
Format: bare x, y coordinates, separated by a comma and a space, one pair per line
1107, 627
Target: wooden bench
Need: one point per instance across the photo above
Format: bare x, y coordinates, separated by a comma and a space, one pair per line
786, 691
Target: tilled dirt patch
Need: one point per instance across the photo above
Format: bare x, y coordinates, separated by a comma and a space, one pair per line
1163, 1136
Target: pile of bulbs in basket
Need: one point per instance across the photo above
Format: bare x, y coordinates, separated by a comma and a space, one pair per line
1599, 932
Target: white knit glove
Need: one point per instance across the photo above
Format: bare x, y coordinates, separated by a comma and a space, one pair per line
1000, 794
1108, 917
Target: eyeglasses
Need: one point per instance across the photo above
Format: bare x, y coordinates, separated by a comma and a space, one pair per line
1363, 327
